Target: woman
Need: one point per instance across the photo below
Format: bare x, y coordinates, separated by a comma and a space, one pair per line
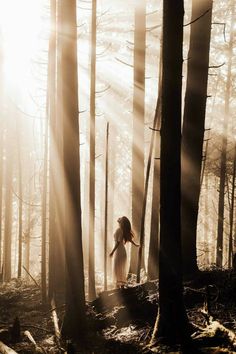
122, 235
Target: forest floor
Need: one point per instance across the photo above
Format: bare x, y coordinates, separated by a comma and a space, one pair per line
121, 321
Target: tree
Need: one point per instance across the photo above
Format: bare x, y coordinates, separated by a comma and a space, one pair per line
106, 205
91, 275
223, 158
20, 201
153, 254
44, 215
172, 324
8, 199
74, 322
138, 125
56, 191
231, 213
194, 128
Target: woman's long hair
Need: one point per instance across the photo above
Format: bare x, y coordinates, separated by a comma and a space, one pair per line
128, 234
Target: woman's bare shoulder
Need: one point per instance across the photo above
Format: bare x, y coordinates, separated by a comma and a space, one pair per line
118, 233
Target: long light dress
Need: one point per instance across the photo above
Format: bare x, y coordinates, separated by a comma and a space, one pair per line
120, 259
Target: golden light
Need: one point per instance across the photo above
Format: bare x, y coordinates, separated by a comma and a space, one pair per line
21, 25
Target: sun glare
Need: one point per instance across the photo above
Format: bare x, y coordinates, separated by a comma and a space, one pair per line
21, 28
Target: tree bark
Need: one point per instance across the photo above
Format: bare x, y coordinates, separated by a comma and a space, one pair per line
56, 191
171, 325
153, 254
20, 202
8, 202
193, 129
231, 214
106, 206
74, 321
91, 269
138, 127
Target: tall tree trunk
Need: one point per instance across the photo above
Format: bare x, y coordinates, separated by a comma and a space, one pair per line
20, 201
74, 321
194, 128
1, 192
91, 269
153, 254
147, 175
138, 126
56, 200
221, 203
28, 233
206, 222
44, 218
1, 154
106, 207
231, 214
172, 324
8, 203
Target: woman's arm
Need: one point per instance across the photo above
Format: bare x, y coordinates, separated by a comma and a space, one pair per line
135, 244
114, 249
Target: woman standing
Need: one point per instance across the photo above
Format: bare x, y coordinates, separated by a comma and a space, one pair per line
122, 235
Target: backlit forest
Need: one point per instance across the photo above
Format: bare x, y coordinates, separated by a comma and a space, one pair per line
113, 109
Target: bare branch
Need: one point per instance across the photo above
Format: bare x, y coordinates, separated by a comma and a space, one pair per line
151, 13
123, 62
104, 90
216, 66
149, 29
198, 18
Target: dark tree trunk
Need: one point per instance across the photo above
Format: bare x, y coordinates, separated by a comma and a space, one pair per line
138, 126
232, 211
91, 269
223, 160
154, 240
207, 223
172, 323
153, 254
74, 321
193, 129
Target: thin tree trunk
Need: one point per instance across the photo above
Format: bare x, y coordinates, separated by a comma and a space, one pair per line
206, 222
223, 161
172, 324
74, 321
193, 129
44, 218
147, 175
1, 194
20, 210
106, 207
8, 204
138, 127
59, 246
53, 158
91, 269
231, 216
28, 234
153, 255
